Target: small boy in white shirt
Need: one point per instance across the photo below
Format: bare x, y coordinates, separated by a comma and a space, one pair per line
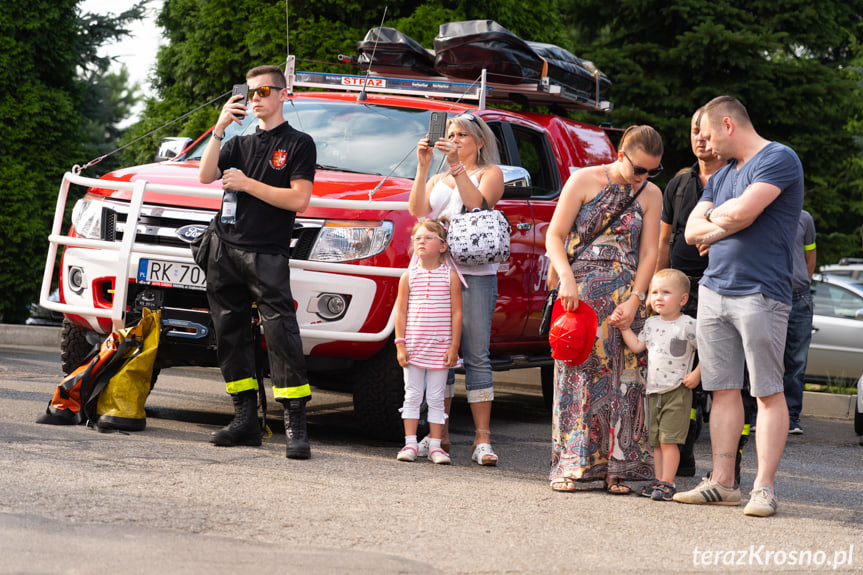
669, 339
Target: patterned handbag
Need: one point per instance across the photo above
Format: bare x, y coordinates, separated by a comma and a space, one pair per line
479, 237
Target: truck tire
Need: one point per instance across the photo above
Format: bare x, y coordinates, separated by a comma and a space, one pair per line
76, 345
379, 391
546, 377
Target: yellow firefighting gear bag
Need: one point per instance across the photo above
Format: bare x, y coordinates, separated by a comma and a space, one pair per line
114, 382
121, 404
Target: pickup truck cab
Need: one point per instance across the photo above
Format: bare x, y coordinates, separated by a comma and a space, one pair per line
348, 248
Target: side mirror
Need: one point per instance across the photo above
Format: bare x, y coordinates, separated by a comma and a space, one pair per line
515, 176
170, 148
516, 182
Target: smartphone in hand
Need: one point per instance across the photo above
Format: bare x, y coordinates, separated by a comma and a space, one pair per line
437, 127
241, 90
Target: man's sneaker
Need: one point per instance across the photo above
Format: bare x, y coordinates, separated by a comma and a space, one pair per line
762, 503
795, 429
709, 493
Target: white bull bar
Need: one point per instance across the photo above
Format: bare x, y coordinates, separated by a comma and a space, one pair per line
128, 246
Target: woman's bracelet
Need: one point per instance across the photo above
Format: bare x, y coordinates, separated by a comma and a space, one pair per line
399, 340
456, 169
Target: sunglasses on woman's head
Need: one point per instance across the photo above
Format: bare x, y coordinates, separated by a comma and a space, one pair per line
470, 118
639, 171
263, 91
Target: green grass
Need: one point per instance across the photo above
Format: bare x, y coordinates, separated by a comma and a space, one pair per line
830, 388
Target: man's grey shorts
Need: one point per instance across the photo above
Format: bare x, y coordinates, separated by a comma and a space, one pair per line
731, 329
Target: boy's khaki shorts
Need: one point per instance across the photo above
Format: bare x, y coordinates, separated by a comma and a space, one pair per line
669, 416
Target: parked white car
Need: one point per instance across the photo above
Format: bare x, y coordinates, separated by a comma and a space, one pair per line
847, 267
836, 351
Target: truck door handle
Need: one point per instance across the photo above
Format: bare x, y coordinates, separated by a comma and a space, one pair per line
524, 226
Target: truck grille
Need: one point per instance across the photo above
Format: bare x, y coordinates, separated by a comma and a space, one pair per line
158, 225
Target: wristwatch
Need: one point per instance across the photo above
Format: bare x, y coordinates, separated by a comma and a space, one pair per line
640, 295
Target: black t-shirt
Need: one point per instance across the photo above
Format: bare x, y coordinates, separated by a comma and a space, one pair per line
274, 157
683, 257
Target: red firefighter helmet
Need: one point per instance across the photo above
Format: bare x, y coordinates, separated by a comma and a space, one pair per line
572, 333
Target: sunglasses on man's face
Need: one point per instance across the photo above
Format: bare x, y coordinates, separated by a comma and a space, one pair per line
262, 91
639, 171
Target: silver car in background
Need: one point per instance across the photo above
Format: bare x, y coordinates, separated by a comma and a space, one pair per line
851, 268
836, 351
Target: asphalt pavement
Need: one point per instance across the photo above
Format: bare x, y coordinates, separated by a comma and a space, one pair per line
165, 501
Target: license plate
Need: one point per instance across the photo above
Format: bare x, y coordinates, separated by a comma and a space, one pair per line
171, 274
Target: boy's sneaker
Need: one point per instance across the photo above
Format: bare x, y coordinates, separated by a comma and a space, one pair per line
794, 428
762, 503
647, 490
663, 492
709, 493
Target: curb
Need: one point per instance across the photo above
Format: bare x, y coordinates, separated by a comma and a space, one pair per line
29, 335
832, 405
815, 404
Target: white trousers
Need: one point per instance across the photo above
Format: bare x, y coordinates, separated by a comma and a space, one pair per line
433, 381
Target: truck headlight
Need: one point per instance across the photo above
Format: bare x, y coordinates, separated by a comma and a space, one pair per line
344, 241
87, 217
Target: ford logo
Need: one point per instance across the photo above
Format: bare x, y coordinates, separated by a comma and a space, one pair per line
190, 232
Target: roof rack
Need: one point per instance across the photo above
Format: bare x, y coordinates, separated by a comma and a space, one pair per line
429, 86
545, 93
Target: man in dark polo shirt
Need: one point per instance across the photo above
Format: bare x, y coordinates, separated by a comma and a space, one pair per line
680, 196
271, 172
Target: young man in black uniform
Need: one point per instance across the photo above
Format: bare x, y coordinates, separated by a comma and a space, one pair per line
272, 172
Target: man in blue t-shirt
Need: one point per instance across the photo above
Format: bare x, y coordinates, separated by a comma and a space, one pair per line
748, 217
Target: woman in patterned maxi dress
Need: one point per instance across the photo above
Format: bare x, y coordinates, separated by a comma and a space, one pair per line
599, 420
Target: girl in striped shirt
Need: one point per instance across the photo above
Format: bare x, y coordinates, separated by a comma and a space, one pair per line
428, 331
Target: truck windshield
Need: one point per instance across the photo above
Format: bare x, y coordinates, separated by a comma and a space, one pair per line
353, 137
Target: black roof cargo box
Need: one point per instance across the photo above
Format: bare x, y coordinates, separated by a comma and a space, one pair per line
394, 51
463, 49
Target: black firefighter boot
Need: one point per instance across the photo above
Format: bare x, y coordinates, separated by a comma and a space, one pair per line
244, 429
744, 438
296, 434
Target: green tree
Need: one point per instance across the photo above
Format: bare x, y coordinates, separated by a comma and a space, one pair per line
48, 47
786, 60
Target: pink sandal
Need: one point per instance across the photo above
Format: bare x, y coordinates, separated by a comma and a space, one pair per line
440, 457
407, 453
